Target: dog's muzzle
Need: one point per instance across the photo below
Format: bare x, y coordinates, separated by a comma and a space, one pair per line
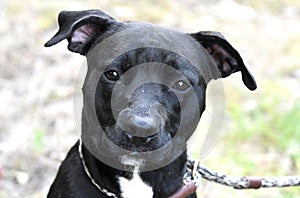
142, 123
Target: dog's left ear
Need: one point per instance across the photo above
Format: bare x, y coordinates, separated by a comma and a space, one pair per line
225, 56
81, 28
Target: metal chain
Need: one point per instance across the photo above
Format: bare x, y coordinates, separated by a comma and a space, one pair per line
86, 170
239, 182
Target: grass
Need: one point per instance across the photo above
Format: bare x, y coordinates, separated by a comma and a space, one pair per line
271, 121
39, 136
262, 138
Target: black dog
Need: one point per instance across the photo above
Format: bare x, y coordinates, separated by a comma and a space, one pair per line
157, 78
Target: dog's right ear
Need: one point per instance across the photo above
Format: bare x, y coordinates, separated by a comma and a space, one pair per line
81, 28
227, 59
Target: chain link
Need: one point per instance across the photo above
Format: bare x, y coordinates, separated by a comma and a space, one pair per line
238, 182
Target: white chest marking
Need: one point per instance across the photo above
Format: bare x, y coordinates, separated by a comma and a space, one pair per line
135, 187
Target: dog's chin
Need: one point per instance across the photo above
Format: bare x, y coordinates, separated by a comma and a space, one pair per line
133, 160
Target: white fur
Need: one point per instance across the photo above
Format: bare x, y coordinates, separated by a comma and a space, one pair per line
135, 187
132, 161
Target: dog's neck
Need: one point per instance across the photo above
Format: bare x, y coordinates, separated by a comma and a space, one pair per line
162, 182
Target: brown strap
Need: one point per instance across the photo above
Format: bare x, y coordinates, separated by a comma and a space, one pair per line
185, 190
254, 182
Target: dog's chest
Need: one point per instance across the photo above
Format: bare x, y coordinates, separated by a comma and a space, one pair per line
135, 187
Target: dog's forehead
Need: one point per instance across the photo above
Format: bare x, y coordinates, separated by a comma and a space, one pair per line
136, 35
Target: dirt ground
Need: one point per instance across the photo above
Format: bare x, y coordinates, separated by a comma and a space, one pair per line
38, 85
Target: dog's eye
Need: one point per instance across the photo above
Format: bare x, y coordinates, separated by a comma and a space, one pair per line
112, 75
181, 85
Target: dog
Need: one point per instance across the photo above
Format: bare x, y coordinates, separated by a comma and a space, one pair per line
145, 85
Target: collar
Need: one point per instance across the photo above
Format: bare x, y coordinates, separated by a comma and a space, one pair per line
86, 170
188, 188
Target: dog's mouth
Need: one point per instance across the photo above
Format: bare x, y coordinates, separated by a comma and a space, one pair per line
143, 127
141, 140
143, 144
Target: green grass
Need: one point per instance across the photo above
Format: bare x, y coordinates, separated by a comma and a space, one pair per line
272, 122
39, 136
262, 139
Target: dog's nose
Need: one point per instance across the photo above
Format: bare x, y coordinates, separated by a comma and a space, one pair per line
141, 126
138, 127
146, 125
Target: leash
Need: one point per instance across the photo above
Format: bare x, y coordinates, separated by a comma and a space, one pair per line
243, 182
195, 172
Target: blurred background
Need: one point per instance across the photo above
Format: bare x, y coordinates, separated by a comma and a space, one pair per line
261, 129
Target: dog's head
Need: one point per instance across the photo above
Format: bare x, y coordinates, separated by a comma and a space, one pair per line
144, 82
